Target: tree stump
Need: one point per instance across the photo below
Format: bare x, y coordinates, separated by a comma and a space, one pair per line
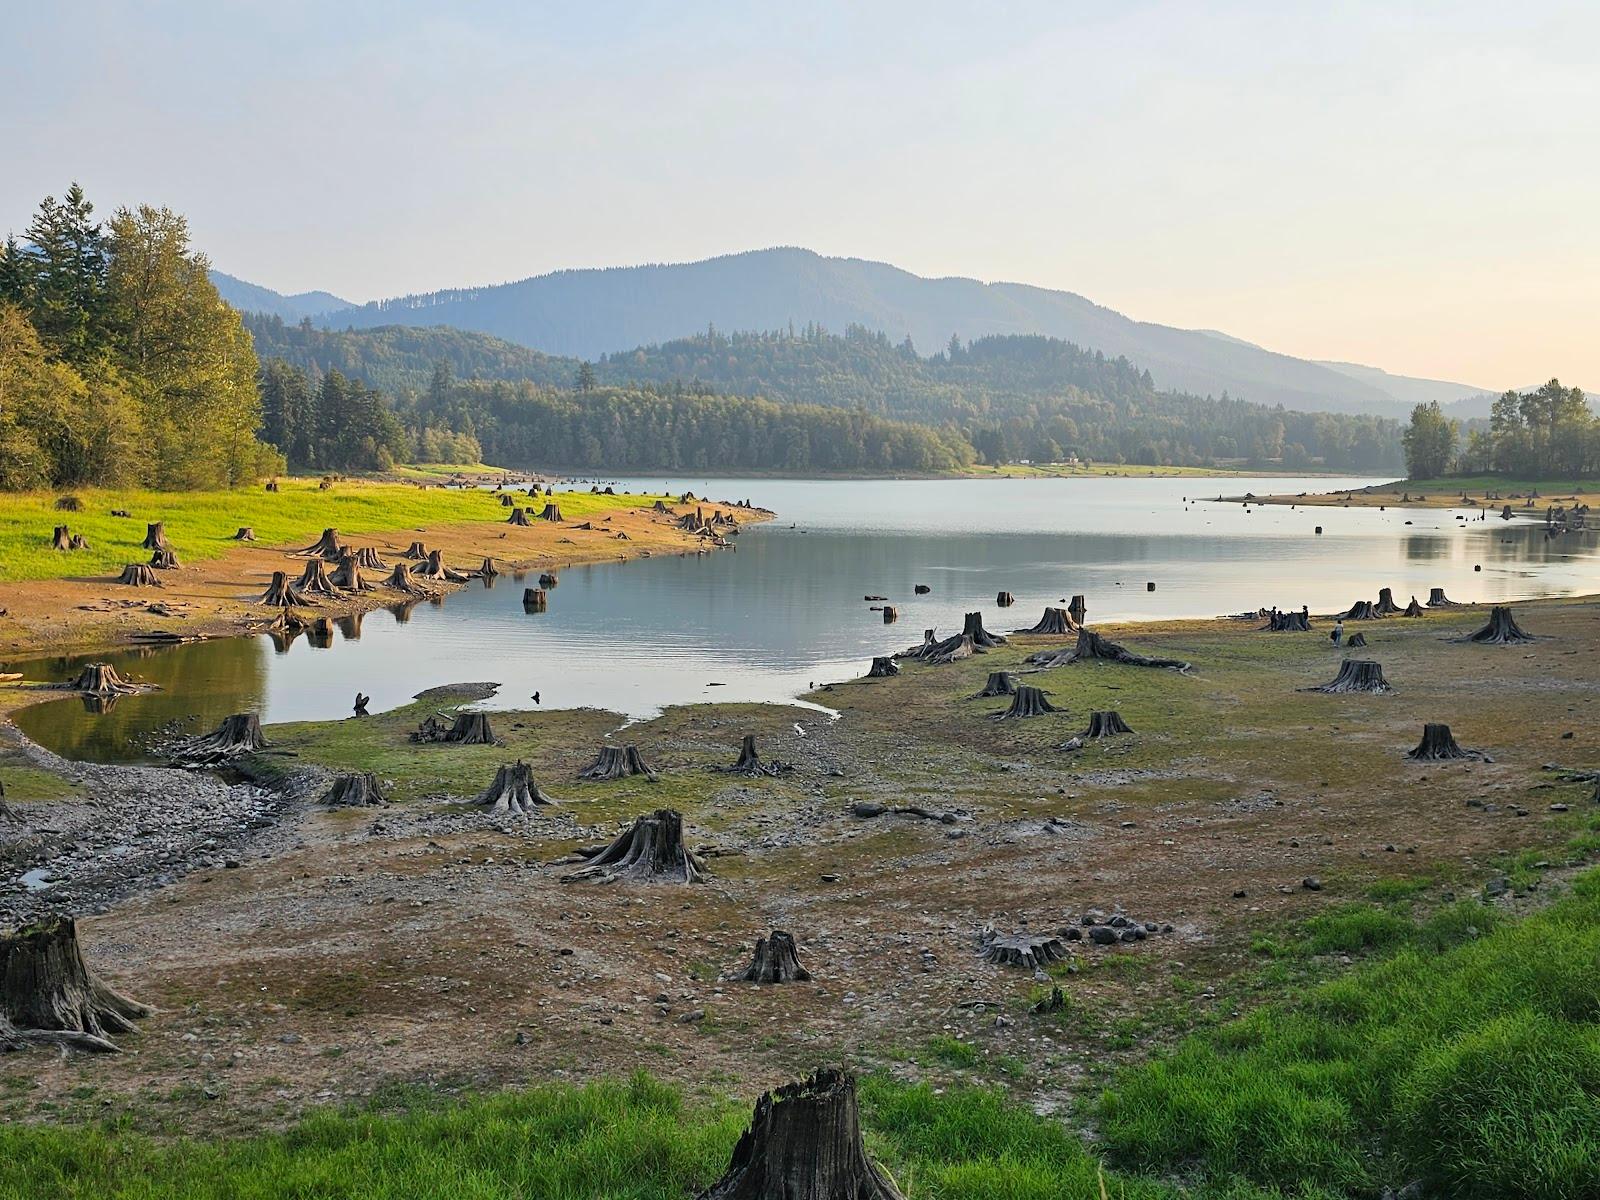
552, 512
361, 700
1105, 723
246, 534
236, 735
651, 850
921, 589
1356, 641
804, 1143
929, 640
368, 558
1437, 599
359, 790
891, 614
69, 504
102, 679
1356, 675
1386, 607
488, 570
433, 568
998, 684
1027, 702
1287, 622
400, 580
1033, 951
513, 791
1005, 599
1055, 620
776, 960
535, 600
972, 627
49, 996
1362, 610
617, 762
952, 649
415, 550
1077, 609
1438, 744
1414, 609
882, 668
519, 516
314, 580
470, 729
1502, 630
751, 763
272, 485
347, 576
549, 579
155, 537
1091, 645
61, 539
78, 542
281, 593
660, 506
138, 575
164, 560
326, 546
506, 500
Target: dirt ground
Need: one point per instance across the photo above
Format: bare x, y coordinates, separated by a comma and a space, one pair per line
347, 951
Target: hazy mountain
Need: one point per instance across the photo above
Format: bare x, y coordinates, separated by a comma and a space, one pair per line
1408, 390
252, 297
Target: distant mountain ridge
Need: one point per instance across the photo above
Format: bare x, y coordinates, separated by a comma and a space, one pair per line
252, 297
593, 312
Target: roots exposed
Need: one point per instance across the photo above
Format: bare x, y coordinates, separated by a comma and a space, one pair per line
433, 568
355, 791
488, 570
49, 996
164, 559
1502, 630
1437, 599
326, 546
347, 576
1362, 610
1105, 723
1027, 702
281, 593
952, 649
1438, 744
1092, 646
245, 534
1356, 675
1386, 607
617, 762
314, 580
1033, 951
660, 506
651, 850
400, 580
998, 684
513, 790
138, 575
1055, 620
883, 667
982, 639
101, 679
1356, 641
238, 734
751, 763
804, 1143
368, 558
1414, 609
519, 516
415, 550
552, 512
777, 960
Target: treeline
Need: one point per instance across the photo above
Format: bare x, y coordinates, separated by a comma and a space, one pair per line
1550, 432
119, 363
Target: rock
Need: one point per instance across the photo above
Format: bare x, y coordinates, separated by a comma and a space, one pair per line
1498, 886
692, 1017
1102, 935
865, 809
1311, 883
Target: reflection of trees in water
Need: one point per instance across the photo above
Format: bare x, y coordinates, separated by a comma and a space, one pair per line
350, 626
1427, 547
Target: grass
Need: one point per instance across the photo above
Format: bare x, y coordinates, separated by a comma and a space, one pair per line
1472, 1063
201, 525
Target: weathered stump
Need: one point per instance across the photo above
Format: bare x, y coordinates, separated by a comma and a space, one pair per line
347, 576
1027, 701
617, 762
69, 504
415, 550
999, 683
1502, 630
891, 614
369, 558
272, 485
1004, 599
883, 667
360, 790
921, 589
470, 729
49, 996
660, 506
549, 579
155, 537
1414, 609
1033, 951
535, 600
1438, 744
1055, 620
314, 580
513, 790
1077, 609
61, 538
1437, 599
804, 1143
138, 575
651, 850
1362, 610
929, 639
102, 679
972, 627
519, 516
1356, 675
552, 512
1091, 645
326, 546
952, 649
777, 960
236, 735
751, 763
488, 570
1104, 723
164, 560
1386, 607
433, 568
246, 533
401, 581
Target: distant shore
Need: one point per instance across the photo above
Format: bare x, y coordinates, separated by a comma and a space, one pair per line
1478, 491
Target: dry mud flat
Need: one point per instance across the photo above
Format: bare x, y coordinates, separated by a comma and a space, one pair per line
424, 941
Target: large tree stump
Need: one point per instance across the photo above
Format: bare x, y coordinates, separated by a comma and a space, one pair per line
776, 961
326, 546
1055, 620
1437, 599
138, 575
1105, 723
660, 506
552, 512
360, 790
1287, 622
1091, 645
507, 500
1077, 609
883, 666
972, 627
347, 576
400, 580
61, 539
246, 533
952, 649
519, 516
314, 580
804, 1143
513, 791
1386, 607
415, 550
651, 850
1027, 701
617, 762
369, 558
1438, 744
102, 679
155, 537
488, 570
1033, 951
1005, 599
1362, 610
751, 763
49, 996
1414, 609
999, 684
1356, 675
165, 559
236, 735
433, 568
1502, 630
929, 639
470, 729
535, 600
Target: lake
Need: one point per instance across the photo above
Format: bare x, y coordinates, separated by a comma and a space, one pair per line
786, 609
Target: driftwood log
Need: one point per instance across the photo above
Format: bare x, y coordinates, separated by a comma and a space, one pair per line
138, 575
777, 960
651, 850
618, 762
1502, 630
1356, 675
1033, 951
883, 666
1105, 723
513, 790
1438, 744
751, 763
1437, 599
326, 546
236, 735
360, 790
804, 1143
49, 996
1056, 621
155, 537
1027, 701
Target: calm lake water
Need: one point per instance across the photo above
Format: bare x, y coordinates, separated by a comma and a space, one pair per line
786, 610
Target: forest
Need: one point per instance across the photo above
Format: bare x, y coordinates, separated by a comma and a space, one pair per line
1547, 432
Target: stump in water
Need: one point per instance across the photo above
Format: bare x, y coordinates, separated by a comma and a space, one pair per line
972, 627
1356, 675
1055, 620
368, 558
513, 790
61, 539
1034, 951
1502, 630
470, 729
1077, 609
281, 593
488, 570
1386, 607
519, 516
415, 550
164, 560
1005, 599
751, 763
804, 1143
1437, 599
400, 580
314, 580
1092, 646
326, 546
1362, 610
238, 734
882, 668
1105, 723
549, 579
1027, 701
552, 512
101, 679
1287, 622
999, 684
617, 762
1414, 609
138, 575
246, 534
776, 960
891, 614
49, 996
155, 537
922, 589
1356, 641
348, 576
1439, 744
360, 790
535, 600
651, 850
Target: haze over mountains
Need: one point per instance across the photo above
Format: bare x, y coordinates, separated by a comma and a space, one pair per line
589, 313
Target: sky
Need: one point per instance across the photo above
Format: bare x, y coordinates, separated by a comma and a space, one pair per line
1414, 186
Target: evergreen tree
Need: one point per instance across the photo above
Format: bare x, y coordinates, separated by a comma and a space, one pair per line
67, 276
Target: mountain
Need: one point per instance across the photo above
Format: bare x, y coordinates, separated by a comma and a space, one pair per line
252, 297
1407, 390
589, 313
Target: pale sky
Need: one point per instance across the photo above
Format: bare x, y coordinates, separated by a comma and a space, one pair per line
1413, 186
